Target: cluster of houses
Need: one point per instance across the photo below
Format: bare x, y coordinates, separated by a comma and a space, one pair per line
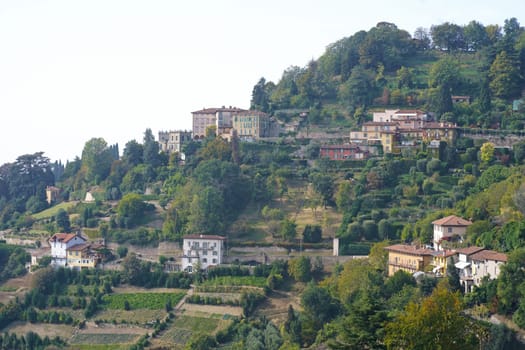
248, 124
473, 263
393, 130
204, 251
74, 251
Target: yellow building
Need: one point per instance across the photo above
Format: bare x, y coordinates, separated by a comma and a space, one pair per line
84, 256
251, 124
408, 258
440, 261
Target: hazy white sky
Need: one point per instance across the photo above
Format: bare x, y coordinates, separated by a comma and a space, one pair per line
71, 70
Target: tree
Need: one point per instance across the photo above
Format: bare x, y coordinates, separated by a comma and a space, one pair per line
510, 283
312, 234
435, 323
96, 160
288, 229
444, 77
359, 89
475, 36
207, 211
62, 221
151, 150
131, 208
405, 78
318, 304
447, 36
505, 78
133, 153
300, 269
487, 152
363, 328
343, 196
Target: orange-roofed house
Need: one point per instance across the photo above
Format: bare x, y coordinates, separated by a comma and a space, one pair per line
60, 243
408, 258
448, 228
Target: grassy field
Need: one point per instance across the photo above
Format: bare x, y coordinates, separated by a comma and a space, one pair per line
104, 338
151, 301
141, 316
50, 212
236, 281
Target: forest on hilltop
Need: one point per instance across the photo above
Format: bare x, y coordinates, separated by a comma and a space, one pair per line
386, 67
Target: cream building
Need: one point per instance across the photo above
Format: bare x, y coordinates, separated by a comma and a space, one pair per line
221, 118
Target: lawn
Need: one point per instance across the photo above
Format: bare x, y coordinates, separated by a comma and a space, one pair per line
50, 212
253, 281
196, 324
104, 338
151, 301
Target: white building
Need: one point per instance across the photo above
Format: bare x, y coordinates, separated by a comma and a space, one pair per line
475, 263
60, 243
448, 228
208, 250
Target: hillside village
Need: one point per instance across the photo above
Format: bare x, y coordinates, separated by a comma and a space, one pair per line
359, 202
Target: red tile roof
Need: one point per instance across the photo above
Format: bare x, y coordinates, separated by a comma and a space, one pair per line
64, 237
215, 110
452, 220
489, 255
469, 250
205, 237
409, 249
444, 253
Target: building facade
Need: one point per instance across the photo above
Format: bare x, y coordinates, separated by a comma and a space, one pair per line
172, 141
219, 117
408, 258
448, 228
203, 250
398, 129
342, 152
84, 255
475, 263
60, 243
251, 124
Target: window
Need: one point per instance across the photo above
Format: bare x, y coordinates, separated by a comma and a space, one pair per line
205, 252
214, 261
450, 230
214, 252
205, 261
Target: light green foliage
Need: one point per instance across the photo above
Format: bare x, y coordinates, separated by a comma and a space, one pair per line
435, 323
151, 301
132, 207
343, 196
300, 269
288, 229
487, 152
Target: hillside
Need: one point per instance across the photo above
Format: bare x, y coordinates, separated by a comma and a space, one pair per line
280, 205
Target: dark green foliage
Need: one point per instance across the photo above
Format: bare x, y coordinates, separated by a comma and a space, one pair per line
319, 305
312, 234
62, 221
398, 281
